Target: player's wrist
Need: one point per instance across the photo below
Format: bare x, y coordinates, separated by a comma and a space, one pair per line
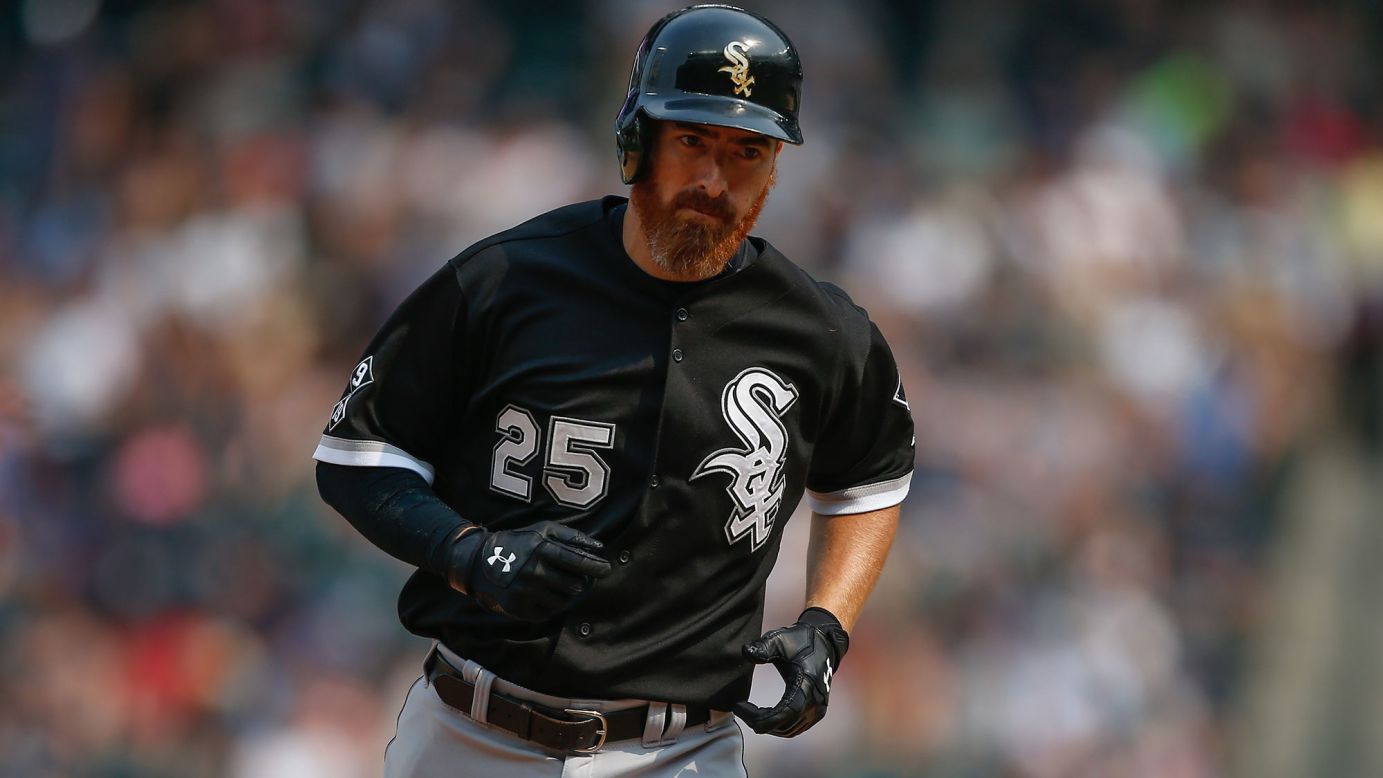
829, 626
466, 542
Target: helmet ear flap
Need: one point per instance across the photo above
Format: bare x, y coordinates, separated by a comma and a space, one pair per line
632, 140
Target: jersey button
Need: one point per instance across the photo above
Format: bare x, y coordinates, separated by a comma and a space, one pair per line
677, 355
653, 482
584, 629
624, 557
682, 314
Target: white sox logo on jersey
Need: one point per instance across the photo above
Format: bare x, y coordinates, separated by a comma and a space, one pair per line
753, 404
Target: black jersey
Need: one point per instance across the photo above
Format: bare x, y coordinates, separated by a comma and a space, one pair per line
542, 375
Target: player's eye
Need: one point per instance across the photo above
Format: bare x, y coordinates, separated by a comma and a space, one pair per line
752, 152
690, 141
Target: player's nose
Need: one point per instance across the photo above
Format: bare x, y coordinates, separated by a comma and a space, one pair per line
710, 176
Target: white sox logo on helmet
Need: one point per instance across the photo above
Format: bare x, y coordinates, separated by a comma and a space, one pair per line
738, 67
752, 403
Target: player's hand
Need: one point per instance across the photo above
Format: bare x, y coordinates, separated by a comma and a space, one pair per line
531, 573
806, 654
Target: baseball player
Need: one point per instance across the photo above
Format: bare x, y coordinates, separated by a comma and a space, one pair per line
587, 432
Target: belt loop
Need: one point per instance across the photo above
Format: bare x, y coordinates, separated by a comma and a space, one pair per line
718, 719
429, 662
653, 725
677, 722
664, 724
480, 699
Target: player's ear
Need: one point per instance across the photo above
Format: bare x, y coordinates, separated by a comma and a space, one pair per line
777, 149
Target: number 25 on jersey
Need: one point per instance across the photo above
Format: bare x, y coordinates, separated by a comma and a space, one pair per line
573, 473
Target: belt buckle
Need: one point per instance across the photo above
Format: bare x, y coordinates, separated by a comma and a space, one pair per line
602, 732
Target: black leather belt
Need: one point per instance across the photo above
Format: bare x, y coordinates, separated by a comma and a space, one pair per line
571, 730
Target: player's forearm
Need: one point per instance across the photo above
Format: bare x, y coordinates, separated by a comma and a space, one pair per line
394, 509
844, 558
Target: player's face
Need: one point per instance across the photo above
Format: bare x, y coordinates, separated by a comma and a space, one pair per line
706, 187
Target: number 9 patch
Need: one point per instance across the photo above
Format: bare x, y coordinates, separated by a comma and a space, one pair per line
361, 377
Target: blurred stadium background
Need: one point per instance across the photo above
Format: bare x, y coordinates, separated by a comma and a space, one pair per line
1129, 254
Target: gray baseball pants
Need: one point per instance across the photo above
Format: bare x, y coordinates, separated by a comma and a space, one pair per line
434, 740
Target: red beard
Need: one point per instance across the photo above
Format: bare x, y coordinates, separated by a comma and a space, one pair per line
687, 248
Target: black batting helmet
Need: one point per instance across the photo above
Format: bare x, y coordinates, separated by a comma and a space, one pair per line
710, 64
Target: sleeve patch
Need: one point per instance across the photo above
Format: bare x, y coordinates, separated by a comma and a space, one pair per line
361, 377
900, 397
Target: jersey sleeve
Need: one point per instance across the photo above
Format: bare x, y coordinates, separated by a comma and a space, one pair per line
864, 458
401, 396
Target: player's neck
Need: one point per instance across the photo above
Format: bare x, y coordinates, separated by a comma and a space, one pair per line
636, 246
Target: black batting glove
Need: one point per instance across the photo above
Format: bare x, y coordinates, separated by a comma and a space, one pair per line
531, 573
806, 654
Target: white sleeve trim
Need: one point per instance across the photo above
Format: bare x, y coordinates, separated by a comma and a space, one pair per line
369, 453
860, 499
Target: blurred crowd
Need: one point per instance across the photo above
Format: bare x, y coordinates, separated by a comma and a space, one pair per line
1129, 256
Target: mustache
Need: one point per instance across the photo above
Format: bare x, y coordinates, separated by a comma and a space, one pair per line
699, 200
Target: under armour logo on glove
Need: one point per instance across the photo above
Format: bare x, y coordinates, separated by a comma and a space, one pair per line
506, 560
548, 566
826, 676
